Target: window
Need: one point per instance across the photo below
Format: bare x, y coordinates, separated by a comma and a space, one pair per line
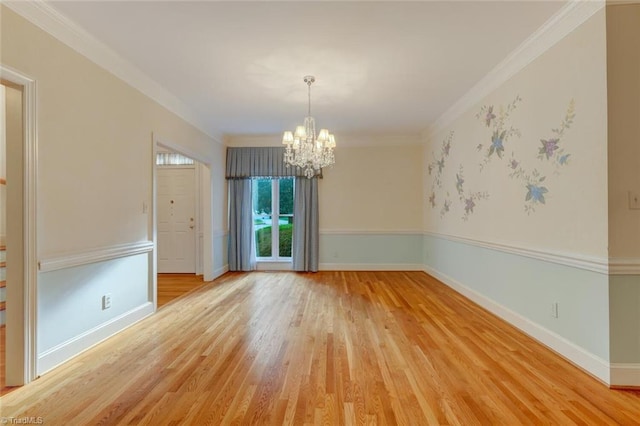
172, 159
272, 201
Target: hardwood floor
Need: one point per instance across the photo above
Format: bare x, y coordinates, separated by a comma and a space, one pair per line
172, 286
328, 348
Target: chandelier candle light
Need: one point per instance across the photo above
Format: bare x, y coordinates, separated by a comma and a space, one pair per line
303, 149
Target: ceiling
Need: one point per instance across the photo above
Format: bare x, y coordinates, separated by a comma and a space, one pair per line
384, 68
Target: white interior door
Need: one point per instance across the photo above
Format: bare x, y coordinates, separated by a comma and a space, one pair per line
176, 220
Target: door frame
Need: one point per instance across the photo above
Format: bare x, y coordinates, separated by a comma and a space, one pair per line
22, 360
203, 214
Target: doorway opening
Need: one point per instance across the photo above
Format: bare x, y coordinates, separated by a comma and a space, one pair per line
181, 191
18, 165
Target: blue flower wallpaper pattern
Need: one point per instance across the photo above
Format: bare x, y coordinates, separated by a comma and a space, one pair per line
532, 165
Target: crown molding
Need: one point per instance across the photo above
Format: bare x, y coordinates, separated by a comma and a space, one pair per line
563, 22
42, 15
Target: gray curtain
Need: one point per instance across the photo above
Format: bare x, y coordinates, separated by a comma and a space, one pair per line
266, 162
306, 245
241, 248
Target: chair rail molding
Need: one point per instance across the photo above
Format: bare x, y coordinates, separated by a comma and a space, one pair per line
624, 266
574, 260
85, 257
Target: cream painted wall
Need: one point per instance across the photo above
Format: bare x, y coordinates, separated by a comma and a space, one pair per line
370, 208
3, 168
573, 219
514, 256
623, 80
375, 188
95, 143
219, 189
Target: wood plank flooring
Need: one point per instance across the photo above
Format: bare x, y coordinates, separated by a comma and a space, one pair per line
172, 286
329, 348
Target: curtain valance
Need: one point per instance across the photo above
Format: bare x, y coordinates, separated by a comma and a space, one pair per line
248, 162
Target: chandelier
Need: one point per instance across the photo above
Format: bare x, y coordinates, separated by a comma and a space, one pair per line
304, 149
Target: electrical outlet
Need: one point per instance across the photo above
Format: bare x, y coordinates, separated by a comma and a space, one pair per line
554, 310
634, 200
106, 301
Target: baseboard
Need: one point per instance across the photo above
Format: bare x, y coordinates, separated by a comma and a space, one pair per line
73, 347
577, 355
370, 267
625, 376
220, 271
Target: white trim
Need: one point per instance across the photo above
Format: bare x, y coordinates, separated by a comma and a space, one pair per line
624, 266
70, 260
589, 362
44, 16
574, 260
370, 232
563, 22
30, 173
205, 214
220, 271
625, 375
220, 233
371, 267
199, 236
153, 260
78, 344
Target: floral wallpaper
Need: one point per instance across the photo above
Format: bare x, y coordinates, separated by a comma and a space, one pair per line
535, 162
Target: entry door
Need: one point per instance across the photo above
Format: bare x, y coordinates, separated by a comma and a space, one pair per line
176, 220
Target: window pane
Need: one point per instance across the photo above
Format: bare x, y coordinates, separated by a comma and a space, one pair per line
286, 196
172, 159
262, 196
286, 230
263, 237
262, 216
285, 222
